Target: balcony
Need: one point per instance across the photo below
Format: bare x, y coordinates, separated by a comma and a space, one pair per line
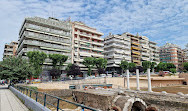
97, 55
136, 52
47, 30
98, 49
88, 30
58, 40
135, 48
135, 43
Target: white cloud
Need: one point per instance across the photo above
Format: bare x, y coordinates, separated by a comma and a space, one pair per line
160, 20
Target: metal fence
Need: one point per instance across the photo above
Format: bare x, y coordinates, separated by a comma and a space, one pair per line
42, 98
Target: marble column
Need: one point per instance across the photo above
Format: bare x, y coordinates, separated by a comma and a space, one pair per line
149, 80
137, 79
128, 87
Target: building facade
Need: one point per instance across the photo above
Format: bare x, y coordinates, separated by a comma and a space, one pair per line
116, 49
129, 47
171, 53
10, 49
86, 42
51, 36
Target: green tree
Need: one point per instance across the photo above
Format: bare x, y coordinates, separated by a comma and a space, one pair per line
185, 66
146, 65
58, 59
37, 59
55, 59
173, 70
131, 66
124, 65
101, 64
162, 66
89, 62
169, 66
15, 68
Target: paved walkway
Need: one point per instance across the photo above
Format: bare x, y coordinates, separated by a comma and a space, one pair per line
9, 102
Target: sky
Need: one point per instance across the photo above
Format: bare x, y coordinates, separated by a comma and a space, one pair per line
161, 21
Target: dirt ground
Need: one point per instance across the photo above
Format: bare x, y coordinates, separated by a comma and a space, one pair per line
170, 89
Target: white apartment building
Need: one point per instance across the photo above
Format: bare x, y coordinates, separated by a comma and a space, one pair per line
51, 36
86, 42
154, 52
116, 49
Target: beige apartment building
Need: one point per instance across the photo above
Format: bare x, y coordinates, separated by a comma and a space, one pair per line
10, 49
86, 42
129, 47
51, 36
172, 53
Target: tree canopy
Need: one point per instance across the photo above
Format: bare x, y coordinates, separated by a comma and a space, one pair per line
146, 65
57, 59
89, 62
15, 68
185, 66
165, 66
101, 64
124, 65
73, 69
37, 59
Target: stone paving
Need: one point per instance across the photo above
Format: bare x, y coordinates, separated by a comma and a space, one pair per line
9, 102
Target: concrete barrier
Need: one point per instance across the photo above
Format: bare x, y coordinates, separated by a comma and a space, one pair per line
29, 102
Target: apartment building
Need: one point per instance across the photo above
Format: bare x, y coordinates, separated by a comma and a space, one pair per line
129, 47
10, 49
51, 36
185, 55
86, 42
172, 53
116, 49
154, 52
135, 49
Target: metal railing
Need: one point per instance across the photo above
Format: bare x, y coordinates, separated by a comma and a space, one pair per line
35, 95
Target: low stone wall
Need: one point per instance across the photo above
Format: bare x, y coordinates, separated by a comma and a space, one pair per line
106, 99
102, 101
30, 103
184, 75
161, 101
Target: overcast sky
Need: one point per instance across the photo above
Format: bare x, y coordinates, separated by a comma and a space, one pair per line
160, 20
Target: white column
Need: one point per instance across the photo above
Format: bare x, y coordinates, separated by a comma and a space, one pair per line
137, 79
149, 80
128, 87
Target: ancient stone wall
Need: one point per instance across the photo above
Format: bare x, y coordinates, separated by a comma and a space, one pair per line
104, 99
184, 75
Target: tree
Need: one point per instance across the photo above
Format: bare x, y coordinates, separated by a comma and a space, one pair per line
63, 60
37, 59
185, 66
57, 59
15, 68
124, 65
131, 67
146, 65
89, 62
169, 66
55, 73
153, 65
101, 64
73, 69
173, 70
162, 66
